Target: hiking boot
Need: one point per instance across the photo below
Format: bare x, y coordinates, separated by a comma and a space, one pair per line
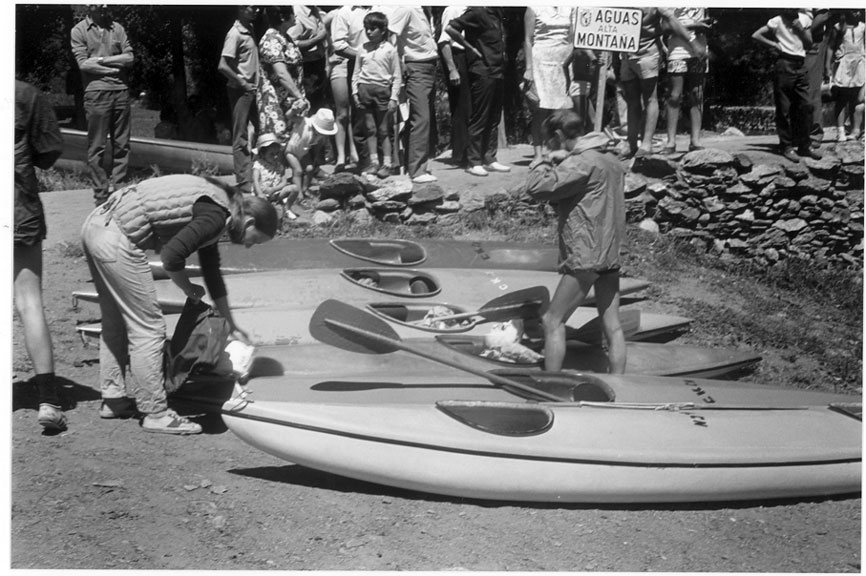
118, 408
810, 153
52, 418
169, 422
789, 154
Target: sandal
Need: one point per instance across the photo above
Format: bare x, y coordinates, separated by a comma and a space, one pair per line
668, 150
693, 147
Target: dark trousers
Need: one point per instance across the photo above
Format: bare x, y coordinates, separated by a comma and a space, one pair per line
420, 78
243, 106
815, 68
108, 115
358, 124
793, 109
460, 106
487, 99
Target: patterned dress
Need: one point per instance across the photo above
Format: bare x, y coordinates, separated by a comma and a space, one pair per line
551, 46
272, 99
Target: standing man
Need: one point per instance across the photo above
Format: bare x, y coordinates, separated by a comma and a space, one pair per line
480, 32
239, 63
789, 35
815, 59
416, 44
459, 102
104, 56
37, 143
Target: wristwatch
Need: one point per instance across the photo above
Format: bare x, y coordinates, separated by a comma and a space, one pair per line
100, 60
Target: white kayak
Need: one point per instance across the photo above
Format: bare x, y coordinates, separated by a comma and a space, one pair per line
307, 288
615, 439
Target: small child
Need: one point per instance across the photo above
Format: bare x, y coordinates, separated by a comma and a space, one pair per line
305, 139
376, 85
270, 177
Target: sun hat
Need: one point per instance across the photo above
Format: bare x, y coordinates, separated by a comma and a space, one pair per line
323, 122
266, 140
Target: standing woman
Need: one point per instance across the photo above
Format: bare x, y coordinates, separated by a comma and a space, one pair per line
547, 46
848, 50
175, 215
280, 96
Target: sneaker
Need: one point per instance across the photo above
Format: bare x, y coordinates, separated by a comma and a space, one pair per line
497, 167
169, 422
810, 153
477, 171
790, 155
291, 215
840, 135
118, 408
424, 179
384, 172
51, 418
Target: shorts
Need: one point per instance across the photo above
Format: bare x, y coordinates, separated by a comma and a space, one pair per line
688, 66
374, 96
30, 231
644, 67
339, 69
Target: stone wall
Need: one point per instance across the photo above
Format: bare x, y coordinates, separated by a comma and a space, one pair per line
720, 202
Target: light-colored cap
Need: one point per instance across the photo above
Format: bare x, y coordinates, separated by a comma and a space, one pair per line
266, 140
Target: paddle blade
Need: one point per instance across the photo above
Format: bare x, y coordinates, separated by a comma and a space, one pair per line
349, 328
526, 303
592, 332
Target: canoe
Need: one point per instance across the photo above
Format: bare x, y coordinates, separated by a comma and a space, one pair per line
295, 254
168, 155
307, 288
607, 444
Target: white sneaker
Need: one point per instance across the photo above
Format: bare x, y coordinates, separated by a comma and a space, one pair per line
477, 171
51, 418
840, 135
497, 167
424, 178
169, 422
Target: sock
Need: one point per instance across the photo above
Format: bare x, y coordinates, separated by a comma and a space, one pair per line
46, 386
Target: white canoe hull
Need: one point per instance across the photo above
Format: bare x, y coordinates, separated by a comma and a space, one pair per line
587, 454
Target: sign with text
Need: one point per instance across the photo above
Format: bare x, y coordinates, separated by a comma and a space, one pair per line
613, 29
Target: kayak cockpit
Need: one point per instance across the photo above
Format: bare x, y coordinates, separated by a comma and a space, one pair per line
385, 252
502, 418
568, 386
404, 283
426, 316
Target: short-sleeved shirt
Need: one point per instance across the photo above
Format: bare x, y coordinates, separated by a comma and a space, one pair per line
691, 19
89, 40
347, 30
482, 27
790, 43
414, 33
448, 14
302, 137
240, 46
37, 142
308, 23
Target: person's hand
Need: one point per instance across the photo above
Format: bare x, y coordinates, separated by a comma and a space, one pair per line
195, 292
240, 335
356, 100
248, 86
392, 106
454, 77
557, 156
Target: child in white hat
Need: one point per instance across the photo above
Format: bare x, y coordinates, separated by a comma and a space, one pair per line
304, 137
271, 177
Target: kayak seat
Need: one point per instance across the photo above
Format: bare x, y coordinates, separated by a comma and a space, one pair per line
395, 282
569, 386
503, 418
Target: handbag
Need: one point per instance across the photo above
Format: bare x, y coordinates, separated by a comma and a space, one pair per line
197, 346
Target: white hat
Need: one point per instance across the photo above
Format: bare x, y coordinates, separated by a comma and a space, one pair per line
266, 140
323, 122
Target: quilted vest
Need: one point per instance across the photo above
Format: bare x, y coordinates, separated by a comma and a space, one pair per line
153, 211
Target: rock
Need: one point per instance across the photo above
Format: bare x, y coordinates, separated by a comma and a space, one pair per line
731, 131
761, 175
742, 163
792, 225
421, 219
322, 218
746, 216
706, 161
447, 207
343, 185
398, 190
387, 206
391, 218
691, 215
472, 201
649, 225
713, 205
360, 216
426, 194
658, 189
452, 196
357, 201
654, 166
328, 205
827, 167
635, 184
796, 171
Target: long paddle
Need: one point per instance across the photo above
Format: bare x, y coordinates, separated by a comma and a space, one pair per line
525, 303
592, 332
344, 326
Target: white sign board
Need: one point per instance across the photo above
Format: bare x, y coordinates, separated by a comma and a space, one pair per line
611, 29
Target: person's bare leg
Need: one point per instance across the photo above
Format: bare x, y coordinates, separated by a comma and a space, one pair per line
674, 101
649, 88
340, 93
696, 109
607, 303
570, 293
28, 304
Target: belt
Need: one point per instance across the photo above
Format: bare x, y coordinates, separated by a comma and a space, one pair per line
792, 57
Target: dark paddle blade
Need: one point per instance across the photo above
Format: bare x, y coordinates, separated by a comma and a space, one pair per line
350, 328
332, 323
592, 332
526, 303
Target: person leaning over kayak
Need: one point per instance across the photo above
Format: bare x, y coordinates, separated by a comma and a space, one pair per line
585, 184
176, 216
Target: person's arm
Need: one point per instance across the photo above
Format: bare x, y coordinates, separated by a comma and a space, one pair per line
356, 76
765, 36
86, 63
228, 67
528, 39
44, 137
549, 182
206, 226
397, 84
126, 57
317, 35
677, 29
209, 258
804, 33
259, 189
340, 36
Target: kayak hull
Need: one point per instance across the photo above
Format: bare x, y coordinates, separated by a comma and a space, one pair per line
582, 453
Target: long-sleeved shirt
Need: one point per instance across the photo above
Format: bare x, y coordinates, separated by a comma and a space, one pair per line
378, 65
414, 33
482, 28
89, 40
347, 30
199, 235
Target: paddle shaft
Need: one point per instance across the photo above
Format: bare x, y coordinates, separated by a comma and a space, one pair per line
399, 344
